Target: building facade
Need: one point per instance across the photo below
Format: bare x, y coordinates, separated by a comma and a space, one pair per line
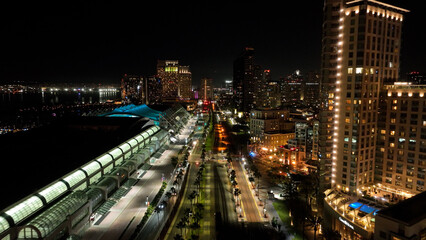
206, 88
132, 88
270, 127
176, 80
366, 56
405, 220
401, 148
243, 81
311, 89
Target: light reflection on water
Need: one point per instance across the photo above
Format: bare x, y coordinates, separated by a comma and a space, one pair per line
54, 98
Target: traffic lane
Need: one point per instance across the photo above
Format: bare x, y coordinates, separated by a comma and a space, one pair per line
249, 205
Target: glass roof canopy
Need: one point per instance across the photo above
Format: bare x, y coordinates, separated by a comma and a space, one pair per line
132, 110
31, 204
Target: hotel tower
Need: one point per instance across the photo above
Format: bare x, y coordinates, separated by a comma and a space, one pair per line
360, 53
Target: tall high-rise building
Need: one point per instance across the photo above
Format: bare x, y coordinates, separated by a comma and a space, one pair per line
361, 46
292, 89
400, 164
243, 80
132, 88
141, 90
206, 88
176, 79
311, 89
154, 90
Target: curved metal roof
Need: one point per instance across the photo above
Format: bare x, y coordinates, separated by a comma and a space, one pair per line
132, 110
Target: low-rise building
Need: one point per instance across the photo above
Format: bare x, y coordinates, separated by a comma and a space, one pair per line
405, 220
270, 127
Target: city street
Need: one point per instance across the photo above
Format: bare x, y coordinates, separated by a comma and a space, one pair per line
207, 231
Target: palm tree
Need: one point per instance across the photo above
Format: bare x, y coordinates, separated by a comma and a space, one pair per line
181, 225
234, 184
195, 226
289, 189
257, 175
192, 196
237, 192
199, 207
168, 195
197, 216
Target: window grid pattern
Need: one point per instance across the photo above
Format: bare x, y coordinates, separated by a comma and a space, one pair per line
54, 216
139, 138
105, 160
91, 168
95, 178
134, 144
125, 147
25, 209
4, 225
53, 191
75, 177
7, 237
116, 153
108, 169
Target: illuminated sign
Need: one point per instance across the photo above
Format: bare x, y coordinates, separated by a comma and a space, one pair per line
346, 223
171, 69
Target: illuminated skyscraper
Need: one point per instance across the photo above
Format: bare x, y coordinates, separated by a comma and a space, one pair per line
361, 47
206, 88
132, 88
176, 79
400, 162
243, 81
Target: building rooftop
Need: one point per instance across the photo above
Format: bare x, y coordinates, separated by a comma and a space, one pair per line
382, 4
409, 211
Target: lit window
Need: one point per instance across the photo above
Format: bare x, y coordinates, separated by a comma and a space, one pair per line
358, 70
350, 70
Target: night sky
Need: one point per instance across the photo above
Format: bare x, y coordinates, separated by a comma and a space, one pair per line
98, 41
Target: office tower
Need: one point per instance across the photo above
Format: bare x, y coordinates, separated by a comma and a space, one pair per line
206, 88
259, 85
361, 44
185, 82
154, 90
400, 165
176, 79
330, 51
272, 96
225, 96
311, 89
228, 85
292, 89
132, 88
243, 83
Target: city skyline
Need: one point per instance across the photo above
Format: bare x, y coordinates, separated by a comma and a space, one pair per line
99, 42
